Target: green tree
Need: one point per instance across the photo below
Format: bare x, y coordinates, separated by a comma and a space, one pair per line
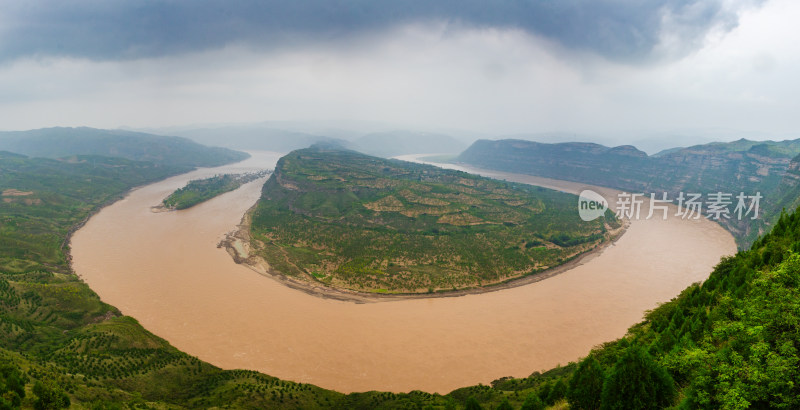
557, 393
49, 397
533, 402
586, 385
12, 388
666, 340
505, 405
472, 404
544, 391
637, 382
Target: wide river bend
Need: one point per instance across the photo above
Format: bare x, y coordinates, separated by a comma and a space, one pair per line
165, 270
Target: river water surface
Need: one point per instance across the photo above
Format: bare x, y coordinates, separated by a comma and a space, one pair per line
165, 270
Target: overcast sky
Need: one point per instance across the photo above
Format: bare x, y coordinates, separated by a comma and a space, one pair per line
602, 67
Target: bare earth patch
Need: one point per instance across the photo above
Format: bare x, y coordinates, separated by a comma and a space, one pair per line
16, 192
385, 204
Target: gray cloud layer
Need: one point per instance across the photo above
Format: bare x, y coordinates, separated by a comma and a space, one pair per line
620, 30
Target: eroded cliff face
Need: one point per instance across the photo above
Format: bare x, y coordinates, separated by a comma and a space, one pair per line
788, 192
740, 166
791, 178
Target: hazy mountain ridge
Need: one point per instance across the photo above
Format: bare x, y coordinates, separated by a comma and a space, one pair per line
574, 161
255, 137
734, 167
62, 142
266, 137
394, 143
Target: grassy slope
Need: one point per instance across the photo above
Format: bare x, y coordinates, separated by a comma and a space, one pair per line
364, 223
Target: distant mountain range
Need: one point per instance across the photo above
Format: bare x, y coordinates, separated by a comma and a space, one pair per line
768, 167
254, 137
62, 142
391, 144
265, 137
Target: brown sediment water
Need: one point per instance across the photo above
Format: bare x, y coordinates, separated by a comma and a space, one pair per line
165, 270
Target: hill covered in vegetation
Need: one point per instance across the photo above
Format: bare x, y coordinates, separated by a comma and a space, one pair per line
353, 221
734, 167
63, 142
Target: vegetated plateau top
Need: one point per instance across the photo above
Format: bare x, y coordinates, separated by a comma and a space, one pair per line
348, 220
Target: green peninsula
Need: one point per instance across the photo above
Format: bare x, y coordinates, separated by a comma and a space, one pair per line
200, 190
357, 222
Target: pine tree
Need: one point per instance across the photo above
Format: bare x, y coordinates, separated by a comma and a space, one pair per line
557, 393
666, 340
586, 385
637, 382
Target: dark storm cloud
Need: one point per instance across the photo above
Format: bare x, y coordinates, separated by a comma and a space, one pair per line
111, 30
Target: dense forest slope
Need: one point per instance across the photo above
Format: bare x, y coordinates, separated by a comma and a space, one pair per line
363, 223
739, 166
62, 142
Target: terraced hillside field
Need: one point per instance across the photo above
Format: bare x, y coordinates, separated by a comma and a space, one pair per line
353, 221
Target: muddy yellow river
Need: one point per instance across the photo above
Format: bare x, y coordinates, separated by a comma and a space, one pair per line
165, 270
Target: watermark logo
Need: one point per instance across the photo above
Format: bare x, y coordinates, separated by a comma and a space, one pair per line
591, 205
715, 206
